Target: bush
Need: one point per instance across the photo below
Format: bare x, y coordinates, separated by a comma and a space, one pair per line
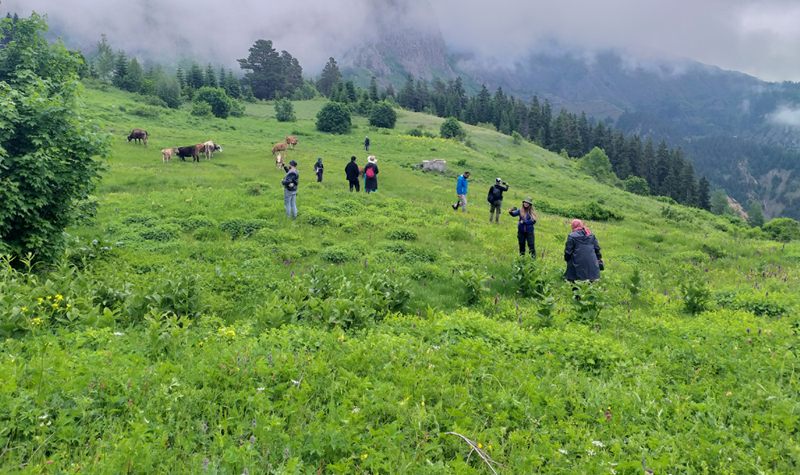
782, 229
636, 185
383, 115
148, 112
451, 129
202, 109
334, 117
215, 97
284, 111
41, 184
242, 227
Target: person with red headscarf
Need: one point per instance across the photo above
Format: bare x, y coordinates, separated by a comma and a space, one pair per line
582, 254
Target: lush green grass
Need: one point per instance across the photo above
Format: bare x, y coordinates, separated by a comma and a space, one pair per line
205, 331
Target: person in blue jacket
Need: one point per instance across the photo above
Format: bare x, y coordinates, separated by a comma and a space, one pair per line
525, 234
462, 184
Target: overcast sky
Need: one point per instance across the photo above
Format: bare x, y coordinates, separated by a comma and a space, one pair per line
761, 38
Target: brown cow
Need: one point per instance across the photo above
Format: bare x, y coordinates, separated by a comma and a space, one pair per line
138, 135
279, 147
291, 141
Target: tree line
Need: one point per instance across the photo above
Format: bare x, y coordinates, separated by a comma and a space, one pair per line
665, 170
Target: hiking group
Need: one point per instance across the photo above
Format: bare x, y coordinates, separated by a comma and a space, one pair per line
581, 251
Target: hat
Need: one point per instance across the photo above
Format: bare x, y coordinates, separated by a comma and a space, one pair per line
293, 163
528, 200
372, 159
498, 180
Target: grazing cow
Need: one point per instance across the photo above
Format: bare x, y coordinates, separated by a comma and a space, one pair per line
167, 153
278, 161
209, 148
190, 151
279, 147
291, 141
138, 135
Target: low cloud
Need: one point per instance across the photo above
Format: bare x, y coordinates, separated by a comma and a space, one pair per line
785, 115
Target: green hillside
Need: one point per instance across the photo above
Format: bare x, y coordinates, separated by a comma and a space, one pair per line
193, 328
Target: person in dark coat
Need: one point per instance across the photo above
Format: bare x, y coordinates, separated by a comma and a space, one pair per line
352, 172
582, 254
366, 144
371, 175
290, 183
525, 232
495, 199
318, 169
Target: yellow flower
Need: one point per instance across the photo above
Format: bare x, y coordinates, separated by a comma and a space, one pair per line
36, 321
24, 309
480, 446
69, 306
54, 305
364, 456
59, 297
40, 300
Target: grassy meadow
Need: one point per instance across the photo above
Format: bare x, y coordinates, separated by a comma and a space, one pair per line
193, 328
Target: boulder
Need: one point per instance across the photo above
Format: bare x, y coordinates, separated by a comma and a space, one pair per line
435, 165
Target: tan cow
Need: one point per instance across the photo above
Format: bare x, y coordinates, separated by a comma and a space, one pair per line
166, 154
278, 161
291, 141
279, 147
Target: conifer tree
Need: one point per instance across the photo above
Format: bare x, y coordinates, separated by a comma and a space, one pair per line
704, 194
373, 89
210, 79
329, 78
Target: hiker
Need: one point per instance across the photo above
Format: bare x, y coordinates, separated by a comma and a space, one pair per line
495, 199
366, 144
318, 169
351, 172
461, 190
527, 218
582, 254
371, 175
290, 182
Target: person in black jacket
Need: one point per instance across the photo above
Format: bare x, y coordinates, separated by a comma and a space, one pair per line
351, 172
290, 182
525, 232
371, 175
582, 254
318, 169
495, 199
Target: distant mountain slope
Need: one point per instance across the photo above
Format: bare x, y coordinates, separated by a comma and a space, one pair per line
690, 104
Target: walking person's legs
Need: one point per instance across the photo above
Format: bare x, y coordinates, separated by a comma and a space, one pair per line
287, 202
521, 241
531, 244
294, 205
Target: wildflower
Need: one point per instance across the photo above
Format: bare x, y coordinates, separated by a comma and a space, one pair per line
36, 321
563, 451
597, 443
54, 305
118, 333
590, 452
356, 410
59, 297
260, 389
24, 309
40, 300
480, 446
364, 456
69, 306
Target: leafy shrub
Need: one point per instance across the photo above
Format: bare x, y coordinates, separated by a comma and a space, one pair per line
241, 227
695, 294
636, 185
215, 97
589, 299
41, 184
415, 132
517, 138
169, 91
674, 214
594, 211
597, 164
382, 115
316, 219
757, 305
237, 110
402, 235
530, 278
202, 109
162, 233
451, 129
196, 221
337, 255
334, 117
473, 283
177, 294
782, 229
284, 111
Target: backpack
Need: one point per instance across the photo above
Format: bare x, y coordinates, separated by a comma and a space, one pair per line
494, 195
370, 172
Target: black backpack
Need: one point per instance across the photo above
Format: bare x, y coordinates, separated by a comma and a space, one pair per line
494, 195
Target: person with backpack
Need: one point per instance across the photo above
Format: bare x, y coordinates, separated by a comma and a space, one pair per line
318, 169
351, 172
525, 232
290, 183
582, 254
462, 185
495, 199
371, 175
366, 144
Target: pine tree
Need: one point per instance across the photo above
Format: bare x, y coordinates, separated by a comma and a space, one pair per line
104, 59
181, 77
329, 78
120, 70
704, 194
264, 67
134, 79
407, 97
373, 89
484, 111
755, 214
210, 79
662, 169
195, 79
